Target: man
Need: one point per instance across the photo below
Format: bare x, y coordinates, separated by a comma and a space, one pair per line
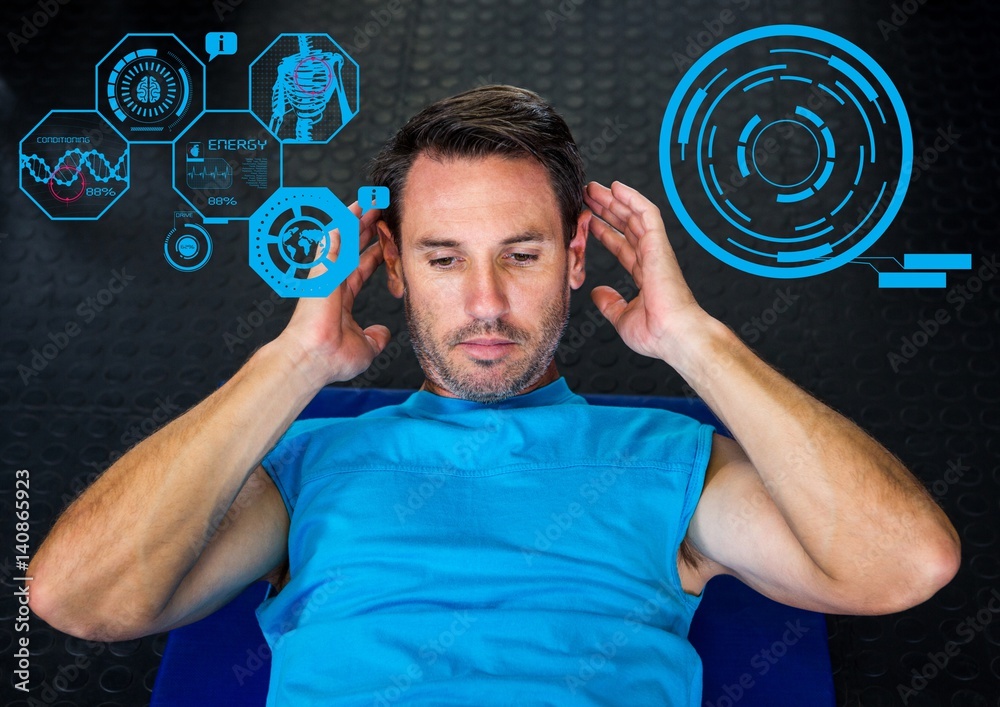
406, 546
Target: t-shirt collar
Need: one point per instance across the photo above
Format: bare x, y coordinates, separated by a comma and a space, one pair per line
424, 402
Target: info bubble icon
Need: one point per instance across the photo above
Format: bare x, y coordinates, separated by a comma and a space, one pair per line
220, 43
373, 198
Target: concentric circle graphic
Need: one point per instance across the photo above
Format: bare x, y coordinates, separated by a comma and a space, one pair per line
795, 162
187, 247
148, 89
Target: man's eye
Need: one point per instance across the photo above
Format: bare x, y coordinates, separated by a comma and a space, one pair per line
524, 257
440, 262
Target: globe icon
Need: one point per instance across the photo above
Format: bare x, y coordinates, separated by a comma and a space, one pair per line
303, 245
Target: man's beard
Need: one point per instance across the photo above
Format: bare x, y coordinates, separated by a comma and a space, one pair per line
433, 359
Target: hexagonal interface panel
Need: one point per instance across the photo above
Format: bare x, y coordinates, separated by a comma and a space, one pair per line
150, 87
304, 88
226, 165
74, 165
304, 242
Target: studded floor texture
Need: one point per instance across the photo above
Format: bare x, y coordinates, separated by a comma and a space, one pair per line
167, 339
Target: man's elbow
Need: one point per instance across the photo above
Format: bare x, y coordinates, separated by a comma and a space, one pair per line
946, 564
937, 572
89, 623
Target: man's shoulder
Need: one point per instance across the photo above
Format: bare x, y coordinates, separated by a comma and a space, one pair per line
678, 415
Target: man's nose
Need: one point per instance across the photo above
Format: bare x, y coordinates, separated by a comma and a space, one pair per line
485, 297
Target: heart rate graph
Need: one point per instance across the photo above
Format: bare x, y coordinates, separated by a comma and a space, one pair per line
206, 172
74, 165
212, 173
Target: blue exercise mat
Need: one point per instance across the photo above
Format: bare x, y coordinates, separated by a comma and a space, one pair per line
755, 651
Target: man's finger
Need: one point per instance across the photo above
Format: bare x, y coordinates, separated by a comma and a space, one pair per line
609, 302
618, 215
366, 227
378, 335
644, 215
599, 199
614, 241
368, 263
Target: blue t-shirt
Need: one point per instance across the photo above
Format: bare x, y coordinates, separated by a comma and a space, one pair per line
449, 552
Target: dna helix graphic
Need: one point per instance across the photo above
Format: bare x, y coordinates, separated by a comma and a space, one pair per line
70, 167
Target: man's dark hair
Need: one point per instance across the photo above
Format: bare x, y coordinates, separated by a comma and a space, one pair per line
485, 121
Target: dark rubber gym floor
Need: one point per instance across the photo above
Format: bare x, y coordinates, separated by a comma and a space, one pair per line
161, 344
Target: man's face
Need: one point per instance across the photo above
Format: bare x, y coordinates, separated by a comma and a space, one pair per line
484, 273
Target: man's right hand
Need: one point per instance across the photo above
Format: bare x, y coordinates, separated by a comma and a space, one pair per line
160, 539
322, 332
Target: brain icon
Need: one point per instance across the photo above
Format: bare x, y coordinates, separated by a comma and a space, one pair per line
148, 90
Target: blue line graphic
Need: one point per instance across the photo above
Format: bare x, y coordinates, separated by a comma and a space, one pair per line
810, 225
738, 212
800, 51
895, 280
799, 256
937, 261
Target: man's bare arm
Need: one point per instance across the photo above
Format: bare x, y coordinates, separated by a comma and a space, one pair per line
115, 557
137, 537
841, 493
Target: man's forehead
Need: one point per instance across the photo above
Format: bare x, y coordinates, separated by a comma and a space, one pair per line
444, 197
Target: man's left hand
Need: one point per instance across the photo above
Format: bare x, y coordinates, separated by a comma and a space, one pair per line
629, 225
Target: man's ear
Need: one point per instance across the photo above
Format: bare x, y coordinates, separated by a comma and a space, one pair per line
578, 250
393, 263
